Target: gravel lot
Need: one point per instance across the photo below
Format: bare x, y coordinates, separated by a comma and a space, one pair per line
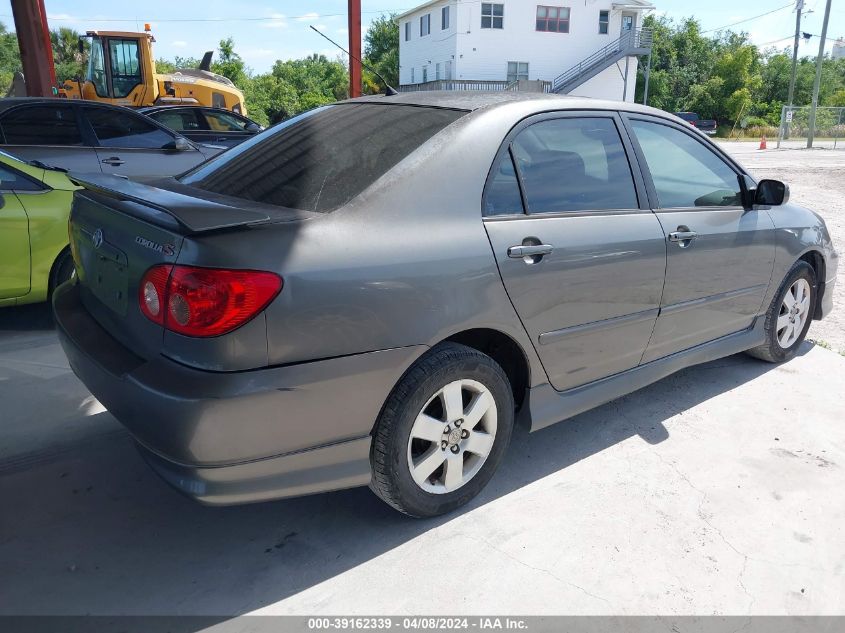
717, 490
817, 180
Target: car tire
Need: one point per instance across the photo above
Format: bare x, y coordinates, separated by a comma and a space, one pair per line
423, 427
789, 315
63, 270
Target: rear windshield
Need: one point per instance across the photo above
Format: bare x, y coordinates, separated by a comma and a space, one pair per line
322, 159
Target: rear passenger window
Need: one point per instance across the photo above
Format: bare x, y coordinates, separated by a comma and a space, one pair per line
125, 129
11, 180
574, 165
41, 125
503, 197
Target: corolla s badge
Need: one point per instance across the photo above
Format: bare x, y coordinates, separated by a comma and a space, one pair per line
97, 238
164, 249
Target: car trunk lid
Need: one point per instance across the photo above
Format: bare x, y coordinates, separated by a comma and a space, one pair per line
120, 228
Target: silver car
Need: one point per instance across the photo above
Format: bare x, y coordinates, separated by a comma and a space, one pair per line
95, 137
374, 292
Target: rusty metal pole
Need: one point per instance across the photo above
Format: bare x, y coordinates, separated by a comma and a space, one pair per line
34, 42
354, 48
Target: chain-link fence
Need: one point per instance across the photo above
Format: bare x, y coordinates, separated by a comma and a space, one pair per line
829, 128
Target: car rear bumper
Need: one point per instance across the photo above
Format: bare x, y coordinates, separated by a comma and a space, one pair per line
237, 437
342, 465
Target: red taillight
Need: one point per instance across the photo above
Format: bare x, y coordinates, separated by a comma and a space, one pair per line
205, 301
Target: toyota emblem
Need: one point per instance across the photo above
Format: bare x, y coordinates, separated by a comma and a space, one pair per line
97, 238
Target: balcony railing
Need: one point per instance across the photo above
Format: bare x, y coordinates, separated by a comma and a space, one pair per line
633, 41
467, 84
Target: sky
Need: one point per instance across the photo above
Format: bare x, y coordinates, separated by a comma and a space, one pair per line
265, 31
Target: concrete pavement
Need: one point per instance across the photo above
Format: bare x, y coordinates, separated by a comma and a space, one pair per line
716, 490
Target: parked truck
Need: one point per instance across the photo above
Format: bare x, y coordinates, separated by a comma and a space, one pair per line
708, 126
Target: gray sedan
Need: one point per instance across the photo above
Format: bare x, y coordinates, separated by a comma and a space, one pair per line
374, 292
95, 137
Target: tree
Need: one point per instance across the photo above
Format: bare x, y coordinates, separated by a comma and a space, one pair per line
10, 61
230, 64
381, 49
70, 62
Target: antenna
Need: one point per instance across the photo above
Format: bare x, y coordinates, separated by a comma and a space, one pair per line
389, 90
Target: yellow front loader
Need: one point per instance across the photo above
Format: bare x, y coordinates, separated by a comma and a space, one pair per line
122, 71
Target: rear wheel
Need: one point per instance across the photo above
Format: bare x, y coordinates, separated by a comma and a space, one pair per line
443, 431
789, 316
63, 270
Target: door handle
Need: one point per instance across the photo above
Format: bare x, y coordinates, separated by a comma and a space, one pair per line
682, 237
113, 161
531, 250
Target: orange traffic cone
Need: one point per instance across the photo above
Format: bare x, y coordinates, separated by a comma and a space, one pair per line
762, 142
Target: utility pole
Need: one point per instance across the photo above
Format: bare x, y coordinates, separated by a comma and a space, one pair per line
817, 84
354, 48
799, 7
33, 34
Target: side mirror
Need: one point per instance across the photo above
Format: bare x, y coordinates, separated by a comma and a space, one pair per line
253, 128
179, 144
771, 193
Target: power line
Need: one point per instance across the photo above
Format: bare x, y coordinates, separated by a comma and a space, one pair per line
277, 18
762, 15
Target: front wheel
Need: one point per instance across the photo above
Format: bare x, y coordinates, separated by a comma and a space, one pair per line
789, 316
443, 431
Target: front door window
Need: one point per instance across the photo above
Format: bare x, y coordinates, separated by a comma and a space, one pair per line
97, 68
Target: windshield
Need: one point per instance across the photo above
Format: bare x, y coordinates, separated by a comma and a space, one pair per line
97, 68
320, 160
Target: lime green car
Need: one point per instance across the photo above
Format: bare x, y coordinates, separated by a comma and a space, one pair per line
34, 254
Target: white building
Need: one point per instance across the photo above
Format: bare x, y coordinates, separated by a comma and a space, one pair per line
586, 45
838, 48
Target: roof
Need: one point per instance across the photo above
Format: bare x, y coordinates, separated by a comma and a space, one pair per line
633, 4
460, 99
10, 102
471, 100
417, 8
628, 4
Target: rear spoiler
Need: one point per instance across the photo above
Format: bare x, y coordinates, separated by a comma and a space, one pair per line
194, 215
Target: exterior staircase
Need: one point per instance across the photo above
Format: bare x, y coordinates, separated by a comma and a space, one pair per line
633, 43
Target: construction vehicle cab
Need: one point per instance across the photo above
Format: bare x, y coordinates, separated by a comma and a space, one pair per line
122, 71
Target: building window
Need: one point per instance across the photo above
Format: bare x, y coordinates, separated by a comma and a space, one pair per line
437, 68
425, 25
553, 19
412, 75
448, 70
492, 15
425, 74
604, 22
407, 31
444, 18
517, 71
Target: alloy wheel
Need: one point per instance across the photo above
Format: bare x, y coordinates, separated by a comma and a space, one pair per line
794, 312
452, 436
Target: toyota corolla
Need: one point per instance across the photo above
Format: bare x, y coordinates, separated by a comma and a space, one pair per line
373, 292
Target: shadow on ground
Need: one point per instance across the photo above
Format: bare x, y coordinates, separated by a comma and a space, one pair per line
34, 317
90, 529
